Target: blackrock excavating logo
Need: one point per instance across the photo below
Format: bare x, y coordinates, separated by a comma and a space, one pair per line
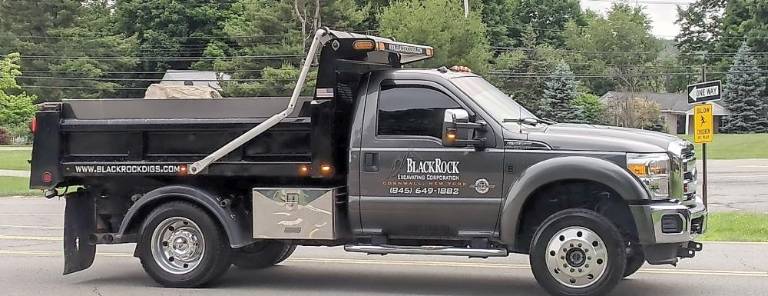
437, 166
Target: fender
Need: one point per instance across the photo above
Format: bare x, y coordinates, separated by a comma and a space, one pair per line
565, 168
235, 225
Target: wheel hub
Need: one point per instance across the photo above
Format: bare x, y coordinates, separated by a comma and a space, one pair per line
177, 245
576, 257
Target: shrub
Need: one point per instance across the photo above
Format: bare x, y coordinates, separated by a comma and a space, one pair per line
5, 136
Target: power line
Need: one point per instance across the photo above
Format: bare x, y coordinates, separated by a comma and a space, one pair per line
160, 58
149, 79
82, 87
649, 2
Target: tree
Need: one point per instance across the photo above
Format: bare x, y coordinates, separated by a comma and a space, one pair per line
522, 74
441, 24
634, 112
174, 33
742, 95
699, 29
547, 17
559, 94
619, 46
498, 16
278, 32
591, 108
69, 45
16, 107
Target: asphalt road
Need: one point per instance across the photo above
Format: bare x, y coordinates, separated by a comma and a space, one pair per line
31, 264
737, 185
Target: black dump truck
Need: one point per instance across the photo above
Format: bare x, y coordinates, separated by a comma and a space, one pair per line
380, 160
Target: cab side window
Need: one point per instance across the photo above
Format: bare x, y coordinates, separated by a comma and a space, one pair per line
412, 110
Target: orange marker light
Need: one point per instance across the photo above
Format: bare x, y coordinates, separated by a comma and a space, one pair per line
461, 69
363, 45
183, 170
326, 169
303, 170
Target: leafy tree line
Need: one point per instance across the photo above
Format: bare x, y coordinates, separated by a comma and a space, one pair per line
550, 55
711, 31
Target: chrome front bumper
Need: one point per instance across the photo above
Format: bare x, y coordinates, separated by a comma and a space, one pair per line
648, 219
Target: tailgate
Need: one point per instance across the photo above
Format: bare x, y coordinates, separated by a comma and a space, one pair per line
46, 148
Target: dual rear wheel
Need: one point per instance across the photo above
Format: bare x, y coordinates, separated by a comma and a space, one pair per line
181, 246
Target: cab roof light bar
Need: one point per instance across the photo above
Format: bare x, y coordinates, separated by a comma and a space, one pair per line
408, 53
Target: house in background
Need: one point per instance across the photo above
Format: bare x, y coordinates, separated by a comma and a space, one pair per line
194, 78
675, 110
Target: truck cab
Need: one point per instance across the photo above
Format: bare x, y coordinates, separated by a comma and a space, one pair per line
381, 160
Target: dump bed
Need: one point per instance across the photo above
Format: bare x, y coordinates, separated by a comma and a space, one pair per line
123, 137
279, 138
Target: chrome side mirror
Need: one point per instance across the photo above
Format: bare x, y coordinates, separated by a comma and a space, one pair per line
458, 131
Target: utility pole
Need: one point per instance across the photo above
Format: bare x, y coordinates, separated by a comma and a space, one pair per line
704, 145
466, 8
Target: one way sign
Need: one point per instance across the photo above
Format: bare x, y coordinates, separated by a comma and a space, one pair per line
704, 91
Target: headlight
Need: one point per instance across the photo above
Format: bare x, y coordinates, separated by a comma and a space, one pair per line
653, 169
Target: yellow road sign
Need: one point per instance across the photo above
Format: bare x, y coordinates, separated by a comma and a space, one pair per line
703, 127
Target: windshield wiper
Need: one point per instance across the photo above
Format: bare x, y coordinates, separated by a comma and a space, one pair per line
529, 121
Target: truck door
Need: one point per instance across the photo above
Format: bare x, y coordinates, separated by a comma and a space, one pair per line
410, 184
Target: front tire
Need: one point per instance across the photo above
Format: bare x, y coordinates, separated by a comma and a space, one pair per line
635, 259
181, 246
577, 252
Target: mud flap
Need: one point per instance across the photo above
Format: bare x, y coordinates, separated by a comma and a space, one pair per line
79, 224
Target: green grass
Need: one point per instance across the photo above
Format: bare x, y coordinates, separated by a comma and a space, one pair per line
14, 159
12, 186
734, 146
738, 227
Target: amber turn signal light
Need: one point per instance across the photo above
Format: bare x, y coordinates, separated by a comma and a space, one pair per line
363, 45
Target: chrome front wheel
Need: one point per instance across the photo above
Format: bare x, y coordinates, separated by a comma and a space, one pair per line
576, 257
578, 252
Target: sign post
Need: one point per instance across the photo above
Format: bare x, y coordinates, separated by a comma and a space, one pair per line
703, 127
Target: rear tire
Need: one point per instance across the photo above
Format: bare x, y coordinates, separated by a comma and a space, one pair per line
577, 252
181, 246
262, 254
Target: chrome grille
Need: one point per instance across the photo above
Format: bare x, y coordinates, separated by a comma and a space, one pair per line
689, 172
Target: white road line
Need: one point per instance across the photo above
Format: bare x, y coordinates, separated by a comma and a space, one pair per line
31, 227
31, 214
431, 264
32, 238
721, 176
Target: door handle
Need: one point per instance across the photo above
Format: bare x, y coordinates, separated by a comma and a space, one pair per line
371, 162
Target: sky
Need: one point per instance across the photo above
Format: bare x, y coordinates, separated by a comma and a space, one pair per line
663, 13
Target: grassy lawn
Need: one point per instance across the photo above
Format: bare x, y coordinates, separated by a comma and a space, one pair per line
734, 146
740, 227
14, 159
11, 186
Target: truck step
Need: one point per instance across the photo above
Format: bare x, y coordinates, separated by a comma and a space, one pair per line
426, 250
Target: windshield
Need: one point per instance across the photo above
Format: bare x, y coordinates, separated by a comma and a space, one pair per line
491, 99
